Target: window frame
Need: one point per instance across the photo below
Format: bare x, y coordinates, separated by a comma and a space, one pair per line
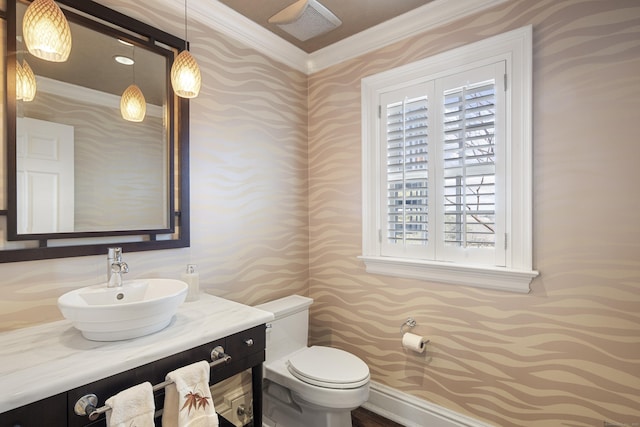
515, 48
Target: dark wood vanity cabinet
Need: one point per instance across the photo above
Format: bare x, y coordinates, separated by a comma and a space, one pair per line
247, 351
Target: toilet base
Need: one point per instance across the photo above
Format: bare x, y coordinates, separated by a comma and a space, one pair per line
281, 409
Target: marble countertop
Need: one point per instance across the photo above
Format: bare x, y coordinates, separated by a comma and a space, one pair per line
48, 359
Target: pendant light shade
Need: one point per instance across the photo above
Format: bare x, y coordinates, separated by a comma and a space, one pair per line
46, 31
185, 75
28, 83
132, 104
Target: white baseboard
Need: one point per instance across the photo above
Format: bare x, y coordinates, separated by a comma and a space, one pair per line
410, 411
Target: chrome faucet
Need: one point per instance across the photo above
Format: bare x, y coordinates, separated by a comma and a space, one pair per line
115, 268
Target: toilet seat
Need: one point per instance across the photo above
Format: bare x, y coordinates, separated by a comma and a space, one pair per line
328, 367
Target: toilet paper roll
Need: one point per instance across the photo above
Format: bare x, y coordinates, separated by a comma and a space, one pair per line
413, 342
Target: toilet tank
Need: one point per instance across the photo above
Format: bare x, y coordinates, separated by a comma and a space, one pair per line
289, 331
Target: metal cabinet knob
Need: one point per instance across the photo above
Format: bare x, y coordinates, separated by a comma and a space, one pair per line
249, 342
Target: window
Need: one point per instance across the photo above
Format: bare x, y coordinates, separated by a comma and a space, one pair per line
447, 166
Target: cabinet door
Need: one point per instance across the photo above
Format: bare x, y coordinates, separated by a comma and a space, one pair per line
51, 411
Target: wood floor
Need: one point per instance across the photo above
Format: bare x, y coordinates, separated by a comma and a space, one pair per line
360, 417
364, 418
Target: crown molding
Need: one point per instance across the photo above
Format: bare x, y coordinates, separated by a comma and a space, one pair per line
229, 22
431, 15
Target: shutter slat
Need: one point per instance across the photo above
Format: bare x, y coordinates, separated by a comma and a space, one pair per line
468, 129
454, 113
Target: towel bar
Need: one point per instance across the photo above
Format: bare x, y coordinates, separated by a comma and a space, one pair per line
86, 405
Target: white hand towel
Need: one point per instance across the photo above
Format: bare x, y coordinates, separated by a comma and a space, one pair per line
133, 406
188, 402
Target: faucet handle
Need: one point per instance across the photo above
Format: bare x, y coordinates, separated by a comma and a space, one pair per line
115, 253
119, 267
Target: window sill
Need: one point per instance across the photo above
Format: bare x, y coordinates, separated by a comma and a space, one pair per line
497, 278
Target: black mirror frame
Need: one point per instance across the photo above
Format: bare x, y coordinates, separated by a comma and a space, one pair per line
179, 157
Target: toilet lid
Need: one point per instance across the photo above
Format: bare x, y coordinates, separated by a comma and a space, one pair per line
328, 367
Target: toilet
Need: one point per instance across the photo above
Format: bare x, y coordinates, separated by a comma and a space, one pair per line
307, 386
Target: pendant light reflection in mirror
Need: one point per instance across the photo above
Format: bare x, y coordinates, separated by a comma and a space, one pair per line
26, 82
19, 80
185, 73
133, 106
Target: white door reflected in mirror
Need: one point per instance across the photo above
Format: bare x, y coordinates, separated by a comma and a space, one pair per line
45, 176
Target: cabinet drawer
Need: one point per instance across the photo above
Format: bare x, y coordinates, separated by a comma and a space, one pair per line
247, 342
50, 412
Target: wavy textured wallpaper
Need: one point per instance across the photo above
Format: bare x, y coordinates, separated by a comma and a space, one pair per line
276, 209
568, 353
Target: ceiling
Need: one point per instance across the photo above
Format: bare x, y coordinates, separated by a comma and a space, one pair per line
356, 16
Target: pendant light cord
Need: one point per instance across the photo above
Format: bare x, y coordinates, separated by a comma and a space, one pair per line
133, 67
186, 42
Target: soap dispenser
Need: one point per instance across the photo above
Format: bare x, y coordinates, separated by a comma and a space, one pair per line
192, 279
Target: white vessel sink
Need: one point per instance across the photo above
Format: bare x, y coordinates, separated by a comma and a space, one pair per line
139, 307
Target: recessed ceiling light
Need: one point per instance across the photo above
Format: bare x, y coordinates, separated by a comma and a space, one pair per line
125, 60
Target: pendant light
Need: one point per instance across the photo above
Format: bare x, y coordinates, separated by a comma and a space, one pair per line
133, 106
28, 83
185, 73
46, 31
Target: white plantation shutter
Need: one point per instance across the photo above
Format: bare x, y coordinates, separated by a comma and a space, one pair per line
404, 124
472, 120
438, 154
469, 166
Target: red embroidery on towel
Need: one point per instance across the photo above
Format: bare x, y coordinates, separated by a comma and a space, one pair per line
194, 400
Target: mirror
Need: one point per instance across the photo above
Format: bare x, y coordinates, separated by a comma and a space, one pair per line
76, 155
80, 178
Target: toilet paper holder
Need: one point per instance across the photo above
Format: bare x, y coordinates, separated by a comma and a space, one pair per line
412, 341
410, 323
